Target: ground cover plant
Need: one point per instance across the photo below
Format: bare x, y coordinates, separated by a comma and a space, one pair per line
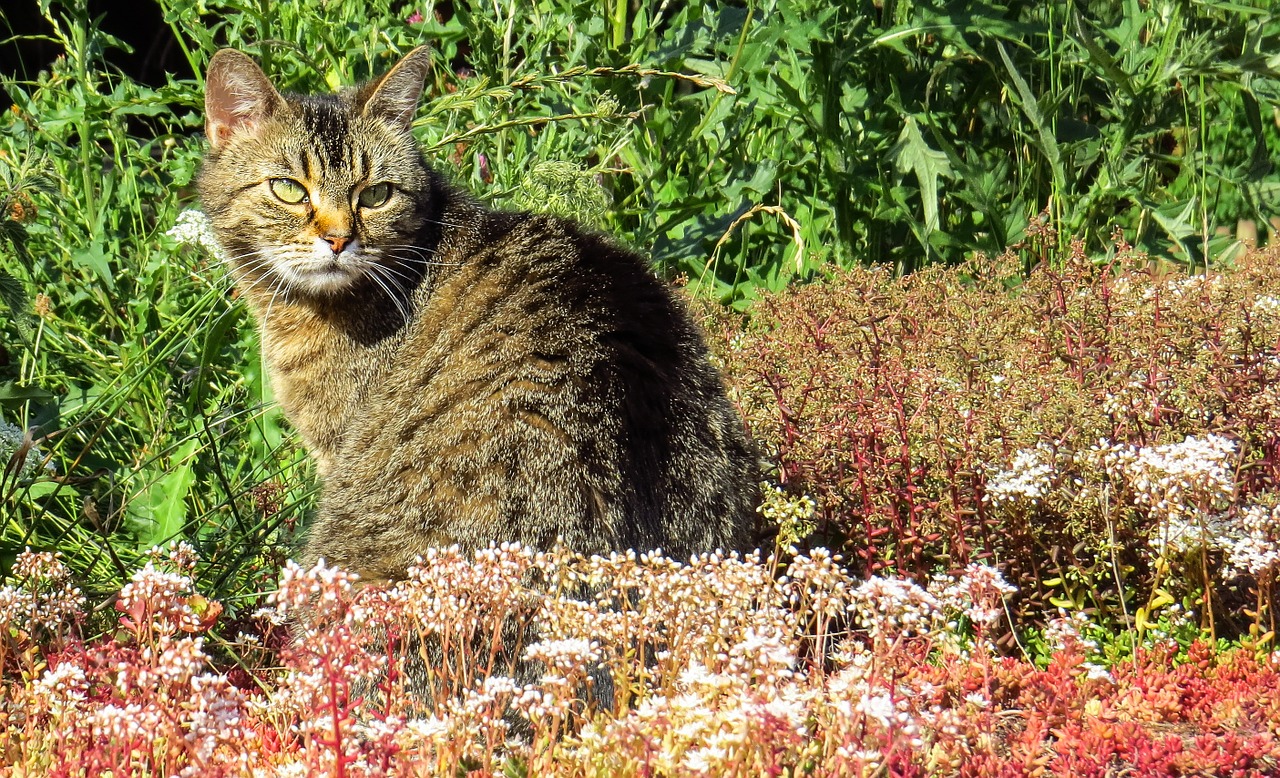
720, 666
1085, 408
1104, 432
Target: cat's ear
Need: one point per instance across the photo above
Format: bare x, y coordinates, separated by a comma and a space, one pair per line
237, 96
394, 97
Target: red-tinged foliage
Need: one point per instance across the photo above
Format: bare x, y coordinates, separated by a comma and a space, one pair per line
971, 414
901, 700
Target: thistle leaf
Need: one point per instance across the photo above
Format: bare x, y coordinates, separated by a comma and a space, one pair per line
913, 154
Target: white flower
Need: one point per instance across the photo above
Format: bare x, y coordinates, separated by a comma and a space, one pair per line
1065, 631
892, 606
1252, 542
878, 707
978, 593
1181, 479
1025, 482
704, 760
1179, 484
1096, 672
1265, 303
63, 687
193, 228
565, 656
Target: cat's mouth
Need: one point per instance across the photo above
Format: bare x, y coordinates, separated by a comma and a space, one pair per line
321, 277
318, 271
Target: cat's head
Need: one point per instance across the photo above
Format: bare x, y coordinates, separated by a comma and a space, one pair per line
314, 196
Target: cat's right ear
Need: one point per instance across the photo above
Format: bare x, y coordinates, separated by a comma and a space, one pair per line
237, 96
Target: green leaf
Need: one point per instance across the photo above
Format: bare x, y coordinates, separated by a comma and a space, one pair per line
1175, 220
13, 295
1099, 57
159, 512
11, 392
47, 487
141, 109
913, 154
1260, 161
95, 259
1026, 100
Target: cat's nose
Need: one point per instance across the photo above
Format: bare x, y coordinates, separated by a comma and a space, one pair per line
337, 242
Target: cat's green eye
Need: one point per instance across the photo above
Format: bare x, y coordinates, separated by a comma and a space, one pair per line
288, 190
374, 195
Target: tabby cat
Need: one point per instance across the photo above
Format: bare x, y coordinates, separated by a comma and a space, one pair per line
459, 375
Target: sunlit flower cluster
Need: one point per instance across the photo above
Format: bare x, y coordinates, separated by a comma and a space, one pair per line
1266, 304
892, 607
1069, 632
43, 597
149, 691
192, 228
1133, 398
1252, 543
977, 594
1027, 480
564, 656
160, 599
1186, 479
793, 516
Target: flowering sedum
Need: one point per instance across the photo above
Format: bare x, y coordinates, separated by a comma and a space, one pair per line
1027, 480
720, 666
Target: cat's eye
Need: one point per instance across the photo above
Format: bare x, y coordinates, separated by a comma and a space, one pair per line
288, 190
374, 195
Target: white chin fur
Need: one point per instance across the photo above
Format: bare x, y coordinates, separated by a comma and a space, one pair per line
322, 281
320, 272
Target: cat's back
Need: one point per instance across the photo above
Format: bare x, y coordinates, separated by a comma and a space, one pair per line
548, 386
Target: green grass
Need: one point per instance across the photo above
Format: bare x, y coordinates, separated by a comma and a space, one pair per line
746, 146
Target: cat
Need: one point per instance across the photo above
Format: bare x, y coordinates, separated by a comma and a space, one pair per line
460, 375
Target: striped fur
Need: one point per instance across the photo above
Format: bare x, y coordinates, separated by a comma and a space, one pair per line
460, 375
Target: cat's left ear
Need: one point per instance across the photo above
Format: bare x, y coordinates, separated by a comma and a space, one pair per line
394, 97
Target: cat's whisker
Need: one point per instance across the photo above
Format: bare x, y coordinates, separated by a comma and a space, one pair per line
247, 269
400, 272
420, 260
401, 283
238, 278
277, 288
443, 223
243, 254
387, 286
238, 266
242, 279
259, 256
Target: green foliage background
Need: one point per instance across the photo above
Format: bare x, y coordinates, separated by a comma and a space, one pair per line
745, 145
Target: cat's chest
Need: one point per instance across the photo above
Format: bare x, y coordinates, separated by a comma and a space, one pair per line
321, 376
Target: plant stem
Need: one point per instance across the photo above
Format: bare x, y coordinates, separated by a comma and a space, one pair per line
619, 23
80, 41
